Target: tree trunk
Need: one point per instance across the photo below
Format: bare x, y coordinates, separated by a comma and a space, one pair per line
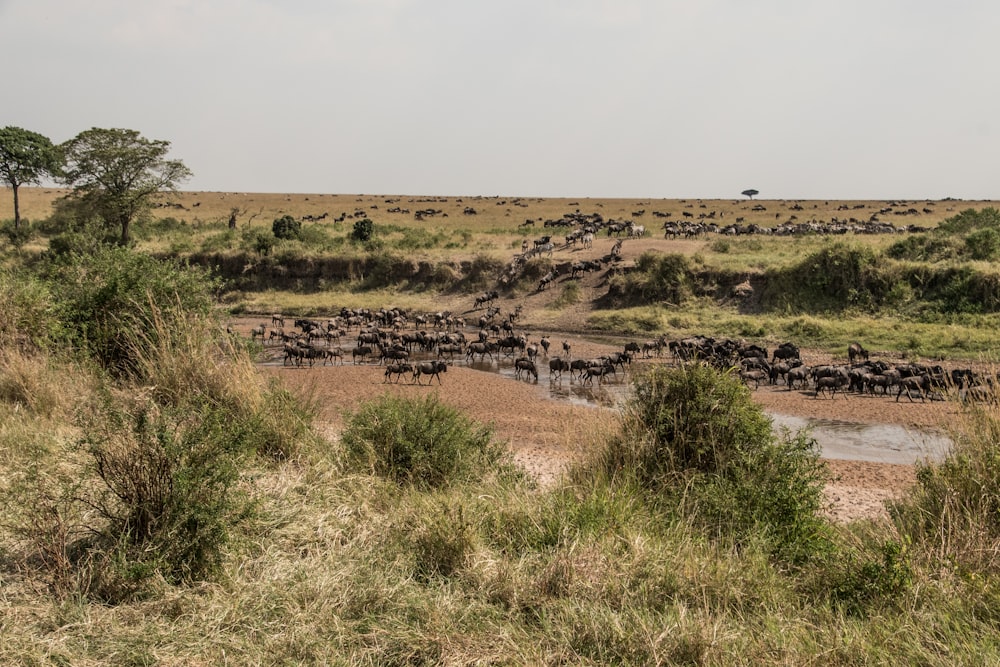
17, 210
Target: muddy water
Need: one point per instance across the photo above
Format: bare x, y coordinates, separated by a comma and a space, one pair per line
882, 443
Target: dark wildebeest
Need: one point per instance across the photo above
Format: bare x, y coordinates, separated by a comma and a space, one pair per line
431, 368
918, 383
831, 382
361, 352
397, 369
523, 365
785, 351
798, 374
556, 367
855, 351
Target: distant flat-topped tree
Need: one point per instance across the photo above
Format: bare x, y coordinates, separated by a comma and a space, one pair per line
750, 193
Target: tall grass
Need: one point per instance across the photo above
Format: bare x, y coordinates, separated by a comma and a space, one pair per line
953, 514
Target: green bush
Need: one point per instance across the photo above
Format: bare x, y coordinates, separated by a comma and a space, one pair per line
363, 231
104, 297
838, 277
953, 512
857, 583
689, 418
167, 492
983, 244
660, 277
28, 317
694, 439
420, 442
970, 220
286, 227
17, 236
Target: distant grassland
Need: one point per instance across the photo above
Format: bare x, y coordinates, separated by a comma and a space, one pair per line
428, 251
460, 226
499, 212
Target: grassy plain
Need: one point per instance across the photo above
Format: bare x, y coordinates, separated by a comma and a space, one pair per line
455, 229
335, 565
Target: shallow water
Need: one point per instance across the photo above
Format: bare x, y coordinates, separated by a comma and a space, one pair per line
883, 443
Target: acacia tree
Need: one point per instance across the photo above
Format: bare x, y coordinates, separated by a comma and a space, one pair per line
749, 193
25, 157
120, 173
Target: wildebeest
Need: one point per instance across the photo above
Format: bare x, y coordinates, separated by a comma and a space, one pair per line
482, 348
598, 370
918, 383
361, 352
397, 369
523, 365
556, 367
797, 374
546, 279
785, 351
449, 350
755, 375
831, 382
430, 368
855, 351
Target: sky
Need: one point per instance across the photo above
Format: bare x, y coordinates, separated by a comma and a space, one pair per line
798, 99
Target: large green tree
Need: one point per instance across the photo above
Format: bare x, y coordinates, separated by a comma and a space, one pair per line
25, 157
120, 173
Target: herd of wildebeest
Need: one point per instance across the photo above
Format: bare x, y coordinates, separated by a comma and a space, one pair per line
418, 345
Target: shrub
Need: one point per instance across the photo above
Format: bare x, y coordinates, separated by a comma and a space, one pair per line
28, 317
570, 295
690, 418
953, 512
693, 436
286, 227
983, 244
837, 277
363, 231
657, 278
105, 297
857, 582
167, 495
17, 236
421, 442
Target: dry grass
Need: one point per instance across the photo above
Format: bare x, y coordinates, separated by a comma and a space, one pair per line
503, 215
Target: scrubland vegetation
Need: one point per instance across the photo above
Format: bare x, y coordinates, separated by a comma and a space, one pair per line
164, 503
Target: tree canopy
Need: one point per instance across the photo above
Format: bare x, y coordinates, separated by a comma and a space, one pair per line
25, 157
120, 173
750, 193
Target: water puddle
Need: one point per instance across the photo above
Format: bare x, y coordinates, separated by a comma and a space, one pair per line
882, 443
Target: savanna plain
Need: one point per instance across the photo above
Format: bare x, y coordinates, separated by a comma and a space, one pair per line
180, 489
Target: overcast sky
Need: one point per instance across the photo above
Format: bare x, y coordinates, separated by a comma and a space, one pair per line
855, 99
